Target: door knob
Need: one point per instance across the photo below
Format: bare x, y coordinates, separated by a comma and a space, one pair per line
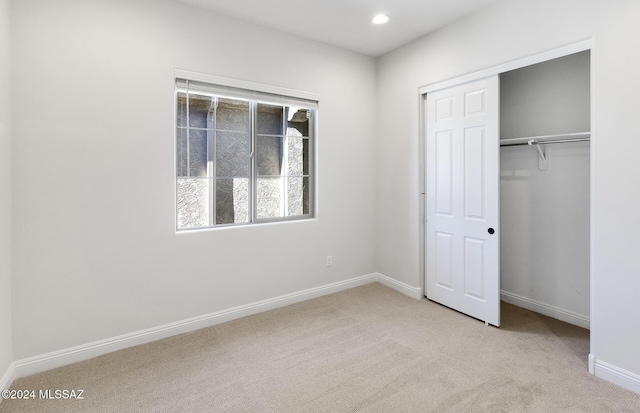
491, 231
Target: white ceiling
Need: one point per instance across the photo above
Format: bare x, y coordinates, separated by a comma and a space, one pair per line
347, 23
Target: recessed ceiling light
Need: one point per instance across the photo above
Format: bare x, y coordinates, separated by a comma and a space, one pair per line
380, 19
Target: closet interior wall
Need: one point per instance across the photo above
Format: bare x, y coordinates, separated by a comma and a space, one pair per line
544, 215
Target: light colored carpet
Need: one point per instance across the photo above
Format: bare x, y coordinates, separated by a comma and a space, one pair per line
368, 349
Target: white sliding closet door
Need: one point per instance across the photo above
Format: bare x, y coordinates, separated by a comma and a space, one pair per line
462, 199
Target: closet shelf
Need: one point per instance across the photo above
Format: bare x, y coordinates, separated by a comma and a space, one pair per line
547, 139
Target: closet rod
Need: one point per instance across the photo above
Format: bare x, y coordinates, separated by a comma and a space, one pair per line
546, 142
561, 138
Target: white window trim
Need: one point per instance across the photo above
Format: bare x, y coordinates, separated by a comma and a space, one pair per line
244, 84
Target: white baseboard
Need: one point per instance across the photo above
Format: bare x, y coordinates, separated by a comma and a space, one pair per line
7, 378
67, 356
406, 289
615, 375
567, 316
71, 355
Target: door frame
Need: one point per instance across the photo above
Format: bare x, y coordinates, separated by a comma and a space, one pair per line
581, 46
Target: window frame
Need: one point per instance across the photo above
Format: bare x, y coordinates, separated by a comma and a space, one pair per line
255, 94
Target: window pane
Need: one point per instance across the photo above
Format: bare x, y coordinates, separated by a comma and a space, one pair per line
297, 196
181, 115
306, 196
232, 200
306, 162
200, 111
232, 115
269, 119
181, 153
269, 197
232, 154
268, 155
197, 152
193, 202
297, 156
298, 124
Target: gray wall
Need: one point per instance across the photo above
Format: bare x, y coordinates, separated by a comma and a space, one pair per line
506, 32
546, 98
95, 251
544, 227
6, 353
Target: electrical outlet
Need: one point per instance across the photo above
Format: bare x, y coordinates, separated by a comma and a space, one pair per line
329, 261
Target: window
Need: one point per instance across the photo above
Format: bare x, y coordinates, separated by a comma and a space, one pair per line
242, 156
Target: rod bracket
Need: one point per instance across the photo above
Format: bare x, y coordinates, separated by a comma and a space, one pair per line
543, 155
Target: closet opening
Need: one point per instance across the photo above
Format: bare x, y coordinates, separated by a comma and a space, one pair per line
545, 119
